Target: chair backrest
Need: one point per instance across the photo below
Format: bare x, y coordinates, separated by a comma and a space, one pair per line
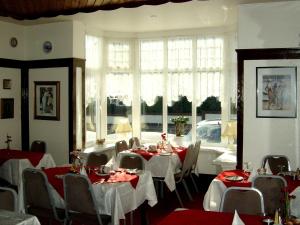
38, 146
8, 199
96, 159
196, 151
132, 140
131, 161
245, 200
121, 146
188, 162
37, 191
271, 186
80, 199
275, 162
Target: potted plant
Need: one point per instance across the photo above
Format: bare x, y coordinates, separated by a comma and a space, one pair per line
179, 122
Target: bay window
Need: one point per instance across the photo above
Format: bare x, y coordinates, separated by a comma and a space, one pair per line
144, 83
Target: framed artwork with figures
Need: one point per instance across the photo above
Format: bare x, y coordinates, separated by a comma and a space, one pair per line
276, 92
47, 100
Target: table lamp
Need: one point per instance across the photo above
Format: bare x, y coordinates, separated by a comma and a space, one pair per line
123, 128
230, 132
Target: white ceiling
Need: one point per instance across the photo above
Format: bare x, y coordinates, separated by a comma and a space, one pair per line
170, 16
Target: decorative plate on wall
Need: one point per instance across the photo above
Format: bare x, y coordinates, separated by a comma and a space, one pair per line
47, 46
13, 42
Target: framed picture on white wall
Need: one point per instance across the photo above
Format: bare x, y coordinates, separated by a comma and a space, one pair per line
276, 92
47, 100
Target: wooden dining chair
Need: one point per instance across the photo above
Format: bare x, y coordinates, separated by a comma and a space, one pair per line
271, 187
38, 200
38, 146
245, 200
96, 159
8, 199
80, 201
121, 146
277, 163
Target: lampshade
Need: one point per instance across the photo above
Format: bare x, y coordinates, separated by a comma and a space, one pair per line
123, 127
230, 130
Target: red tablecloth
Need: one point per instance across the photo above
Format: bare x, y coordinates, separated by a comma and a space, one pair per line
57, 183
145, 154
181, 151
244, 183
33, 157
291, 184
198, 217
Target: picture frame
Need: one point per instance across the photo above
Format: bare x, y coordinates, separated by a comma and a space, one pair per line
7, 108
6, 83
276, 92
47, 100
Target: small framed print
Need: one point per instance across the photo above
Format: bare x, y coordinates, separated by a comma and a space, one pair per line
276, 92
47, 100
6, 83
7, 108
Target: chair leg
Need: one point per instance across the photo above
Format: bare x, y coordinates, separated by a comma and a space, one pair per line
161, 189
131, 218
179, 199
194, 183
187, 190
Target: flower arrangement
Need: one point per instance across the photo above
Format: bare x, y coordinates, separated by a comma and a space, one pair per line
180, 119
164, 136
75, 155
179, 122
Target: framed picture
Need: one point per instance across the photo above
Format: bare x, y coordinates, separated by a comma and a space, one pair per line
7, 108
47, 100
276, 92
6, 84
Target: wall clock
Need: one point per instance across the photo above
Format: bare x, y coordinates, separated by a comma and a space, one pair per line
47, 46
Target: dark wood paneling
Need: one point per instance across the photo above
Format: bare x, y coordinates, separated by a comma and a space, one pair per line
254, 54
71, 64
50, 8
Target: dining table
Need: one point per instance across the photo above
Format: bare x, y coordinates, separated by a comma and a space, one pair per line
14, 161
200, 217
117, 193
161, 163
14, 218
213, 196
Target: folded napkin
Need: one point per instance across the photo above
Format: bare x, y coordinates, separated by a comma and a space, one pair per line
268, 170
134, 146
83, 171
253, 173
236, 219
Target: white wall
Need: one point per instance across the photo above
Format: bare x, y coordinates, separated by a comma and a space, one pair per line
9, 30
11, 126
67, 40
269, 25
54, 133
264, 136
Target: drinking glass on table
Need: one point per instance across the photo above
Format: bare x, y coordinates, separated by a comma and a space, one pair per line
247, 167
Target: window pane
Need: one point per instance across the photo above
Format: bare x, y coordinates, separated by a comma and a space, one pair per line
93, 59
152, 57
118, 55
180, 54
119, 99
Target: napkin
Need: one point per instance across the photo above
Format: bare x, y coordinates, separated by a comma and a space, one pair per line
268, 170
236, 219
134, 146
83, 171
253, 173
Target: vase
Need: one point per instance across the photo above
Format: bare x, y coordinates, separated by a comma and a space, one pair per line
179, 129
